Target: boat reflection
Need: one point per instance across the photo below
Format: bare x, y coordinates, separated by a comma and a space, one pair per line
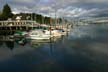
21, 41
38, 43
10, 41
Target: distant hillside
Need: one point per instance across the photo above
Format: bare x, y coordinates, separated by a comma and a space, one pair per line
7, 14
38, 18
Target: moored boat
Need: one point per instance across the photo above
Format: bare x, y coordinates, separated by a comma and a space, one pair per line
20, 33
55, 32
38, 34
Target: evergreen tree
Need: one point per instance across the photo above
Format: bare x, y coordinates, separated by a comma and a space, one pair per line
0, 16
6, 13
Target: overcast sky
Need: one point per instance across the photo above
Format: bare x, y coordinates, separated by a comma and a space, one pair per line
62, 8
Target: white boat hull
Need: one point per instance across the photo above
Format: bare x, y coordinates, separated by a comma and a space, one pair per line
38, 34
38, 38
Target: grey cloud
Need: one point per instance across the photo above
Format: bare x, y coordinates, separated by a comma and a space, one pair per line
63, 7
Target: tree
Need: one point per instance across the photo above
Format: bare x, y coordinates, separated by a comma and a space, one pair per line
0, 16
0, 12
6, 13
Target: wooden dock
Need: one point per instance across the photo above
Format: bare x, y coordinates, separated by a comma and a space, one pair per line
6, 38
17, 25
13, 25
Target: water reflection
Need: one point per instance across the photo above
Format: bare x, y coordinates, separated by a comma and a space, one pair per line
10, 44
84, 50
1, 43
21, 41
10, 41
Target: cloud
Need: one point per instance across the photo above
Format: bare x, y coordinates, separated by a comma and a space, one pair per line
23, 1
60, 8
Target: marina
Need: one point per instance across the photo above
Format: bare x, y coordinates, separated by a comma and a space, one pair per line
84, 49
53, 36
32, 30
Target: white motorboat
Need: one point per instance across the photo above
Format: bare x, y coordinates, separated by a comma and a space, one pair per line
55, 32
38, 34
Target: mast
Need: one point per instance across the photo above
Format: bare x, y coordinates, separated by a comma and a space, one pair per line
55, 18
55, 15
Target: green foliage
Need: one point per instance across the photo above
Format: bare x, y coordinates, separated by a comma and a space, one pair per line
38, 18
0, 13
47, 20
6, 13
0, 16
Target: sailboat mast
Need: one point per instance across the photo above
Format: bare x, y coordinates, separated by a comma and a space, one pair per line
55, 15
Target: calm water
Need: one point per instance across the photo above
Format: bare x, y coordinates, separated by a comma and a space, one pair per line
85, 49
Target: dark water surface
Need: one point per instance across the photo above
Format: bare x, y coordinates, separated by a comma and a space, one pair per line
85, 49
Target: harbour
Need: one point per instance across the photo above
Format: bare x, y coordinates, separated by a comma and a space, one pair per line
53, 36
76, 52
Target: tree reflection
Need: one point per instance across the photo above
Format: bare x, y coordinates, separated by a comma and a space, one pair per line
1, 43
10, 44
